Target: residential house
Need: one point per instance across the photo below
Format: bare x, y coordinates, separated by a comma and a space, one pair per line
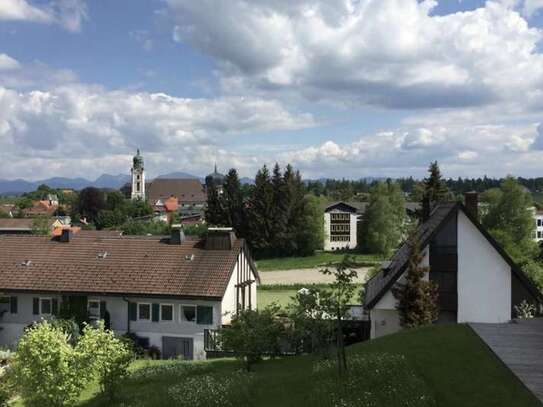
170, 292
342, 220
477, 281
538, 218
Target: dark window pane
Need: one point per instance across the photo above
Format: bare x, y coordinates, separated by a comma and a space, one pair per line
189, 313
166, 312
144, 311
46, 306
205, 315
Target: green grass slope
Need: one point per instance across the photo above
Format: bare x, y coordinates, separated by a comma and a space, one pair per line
458, 369
319, 259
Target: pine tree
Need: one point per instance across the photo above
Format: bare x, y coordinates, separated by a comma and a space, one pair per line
435, 188
260, 212
281, 207
232, 202
417, 298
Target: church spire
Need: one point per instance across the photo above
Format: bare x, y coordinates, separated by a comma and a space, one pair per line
138, 177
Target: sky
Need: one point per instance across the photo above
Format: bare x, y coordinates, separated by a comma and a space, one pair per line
337, 88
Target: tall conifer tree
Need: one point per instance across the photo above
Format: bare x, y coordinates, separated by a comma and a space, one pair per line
232, 199
435, 188
261, 212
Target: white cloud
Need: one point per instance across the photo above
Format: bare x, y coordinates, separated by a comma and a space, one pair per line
68, 13
392, 53
531, 7
8, 63
89, 123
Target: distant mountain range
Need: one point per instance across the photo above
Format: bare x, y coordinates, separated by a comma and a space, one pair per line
19, 186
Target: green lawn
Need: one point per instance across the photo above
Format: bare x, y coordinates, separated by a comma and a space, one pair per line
319, 259
456, 366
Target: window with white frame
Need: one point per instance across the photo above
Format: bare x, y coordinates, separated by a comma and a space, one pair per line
166, 312
46, 306
188, 313
144, 311
94, 309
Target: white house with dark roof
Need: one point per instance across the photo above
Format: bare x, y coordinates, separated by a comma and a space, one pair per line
171, 292
341, 223
477, 280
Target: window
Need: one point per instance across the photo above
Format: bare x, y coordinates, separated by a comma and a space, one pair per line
204, 315
4, 305
188, 313
144, 312
539, 235
46, 307
94, 309
166, 312
539, 222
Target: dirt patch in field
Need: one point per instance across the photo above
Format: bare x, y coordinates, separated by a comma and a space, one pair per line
304, 276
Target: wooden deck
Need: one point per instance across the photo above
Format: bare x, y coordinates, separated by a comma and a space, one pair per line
520, 347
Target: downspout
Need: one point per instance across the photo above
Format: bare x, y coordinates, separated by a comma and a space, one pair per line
127, 315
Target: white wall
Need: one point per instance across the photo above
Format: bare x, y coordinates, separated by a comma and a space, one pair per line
351, 244
13, 324
484, 277
384, 316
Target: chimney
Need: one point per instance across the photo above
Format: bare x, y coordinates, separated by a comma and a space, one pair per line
220, 238
177, 234
65, 235
426, 208
471, 202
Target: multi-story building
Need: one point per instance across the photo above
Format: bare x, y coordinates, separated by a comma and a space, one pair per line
341, 222
538, 215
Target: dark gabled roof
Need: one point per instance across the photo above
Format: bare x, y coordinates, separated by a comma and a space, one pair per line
146, 266
383, 281
360, 207
186, 190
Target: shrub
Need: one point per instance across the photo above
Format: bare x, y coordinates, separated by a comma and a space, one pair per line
372, 381
253, 334
109, 357
153, 352
6, 386
47, 370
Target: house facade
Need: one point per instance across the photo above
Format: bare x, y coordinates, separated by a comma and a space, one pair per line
342, 221
477, 281
538, 217
170, 292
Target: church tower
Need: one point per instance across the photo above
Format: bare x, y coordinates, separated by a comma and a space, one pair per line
138, 177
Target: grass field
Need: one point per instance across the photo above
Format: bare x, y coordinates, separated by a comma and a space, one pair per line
319, 259
282, 294
457, 368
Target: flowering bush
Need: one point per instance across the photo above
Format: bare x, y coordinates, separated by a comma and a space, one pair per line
525, 310
372, 381
107, 355
212, 390
48, 371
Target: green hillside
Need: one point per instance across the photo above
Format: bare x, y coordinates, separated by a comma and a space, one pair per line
448, 363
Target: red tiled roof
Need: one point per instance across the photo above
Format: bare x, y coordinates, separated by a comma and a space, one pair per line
132, 266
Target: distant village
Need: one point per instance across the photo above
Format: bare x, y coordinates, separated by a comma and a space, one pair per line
178, 266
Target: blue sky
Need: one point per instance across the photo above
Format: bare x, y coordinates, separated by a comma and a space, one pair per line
339, 88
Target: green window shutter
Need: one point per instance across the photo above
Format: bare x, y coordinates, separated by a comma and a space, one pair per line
13, 305
132, 311
155, 315
36, 306
102, 309
54, 306
204, 315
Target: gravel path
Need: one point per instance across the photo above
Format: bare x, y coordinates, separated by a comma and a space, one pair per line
303, 276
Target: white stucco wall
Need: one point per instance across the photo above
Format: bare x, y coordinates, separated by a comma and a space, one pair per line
242, 272
484, 278
351, 244
384, 316
13, 324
